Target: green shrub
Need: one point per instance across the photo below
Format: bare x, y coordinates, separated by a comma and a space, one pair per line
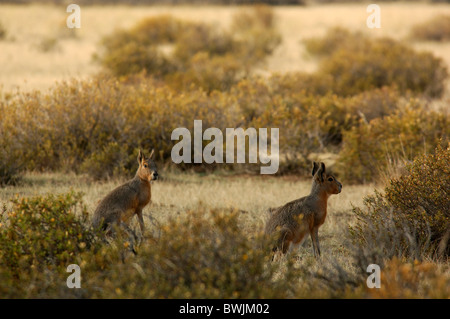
435, 29
369, 148
41, 232
412, 217
357, 64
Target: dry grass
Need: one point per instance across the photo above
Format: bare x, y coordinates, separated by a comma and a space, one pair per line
26, 66
177, 193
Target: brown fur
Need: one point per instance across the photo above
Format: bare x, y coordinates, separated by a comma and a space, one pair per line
127, 200
293, 221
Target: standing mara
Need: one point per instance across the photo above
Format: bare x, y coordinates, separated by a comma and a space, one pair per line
292, 222
127, 200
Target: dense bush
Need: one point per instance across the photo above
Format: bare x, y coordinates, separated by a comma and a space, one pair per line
19, 136
188, 53
335, 38
435, 29
42, 232
412, 217
357, 64
199, 254
418, 279
107, 120
371, 147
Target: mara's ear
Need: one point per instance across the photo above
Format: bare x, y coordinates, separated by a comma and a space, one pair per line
141, 157
315, 168
151, 153
321, 172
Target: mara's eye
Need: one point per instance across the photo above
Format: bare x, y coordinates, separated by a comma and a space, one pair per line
330, 179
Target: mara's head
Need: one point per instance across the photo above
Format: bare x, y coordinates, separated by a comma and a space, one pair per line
325, 181
147, 167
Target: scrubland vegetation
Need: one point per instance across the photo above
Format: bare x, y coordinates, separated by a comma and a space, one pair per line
370, 105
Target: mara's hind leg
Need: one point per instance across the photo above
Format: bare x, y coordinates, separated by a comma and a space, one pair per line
283, 242
297, 243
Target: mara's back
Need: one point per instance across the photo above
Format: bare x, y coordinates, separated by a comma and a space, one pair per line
121, 198
286, 215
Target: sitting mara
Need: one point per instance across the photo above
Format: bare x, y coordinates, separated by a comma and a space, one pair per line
292, 222
127, 200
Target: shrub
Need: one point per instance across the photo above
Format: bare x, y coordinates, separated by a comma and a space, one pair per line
336, 38
20, 136
3, 32
370, 148
357, 64
188, 53
201, 254
418, 279
299, 82
48, 44
411, 218
435, 29
111, 161
107, 120
41, 232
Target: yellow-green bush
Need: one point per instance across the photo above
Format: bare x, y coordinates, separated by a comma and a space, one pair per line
39, 232
370, 147
412, 217
357, 64
435, 29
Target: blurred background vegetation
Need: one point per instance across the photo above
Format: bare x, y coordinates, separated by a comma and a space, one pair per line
367, 103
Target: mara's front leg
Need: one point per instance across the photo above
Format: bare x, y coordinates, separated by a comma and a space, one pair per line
315, 241
141, 220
